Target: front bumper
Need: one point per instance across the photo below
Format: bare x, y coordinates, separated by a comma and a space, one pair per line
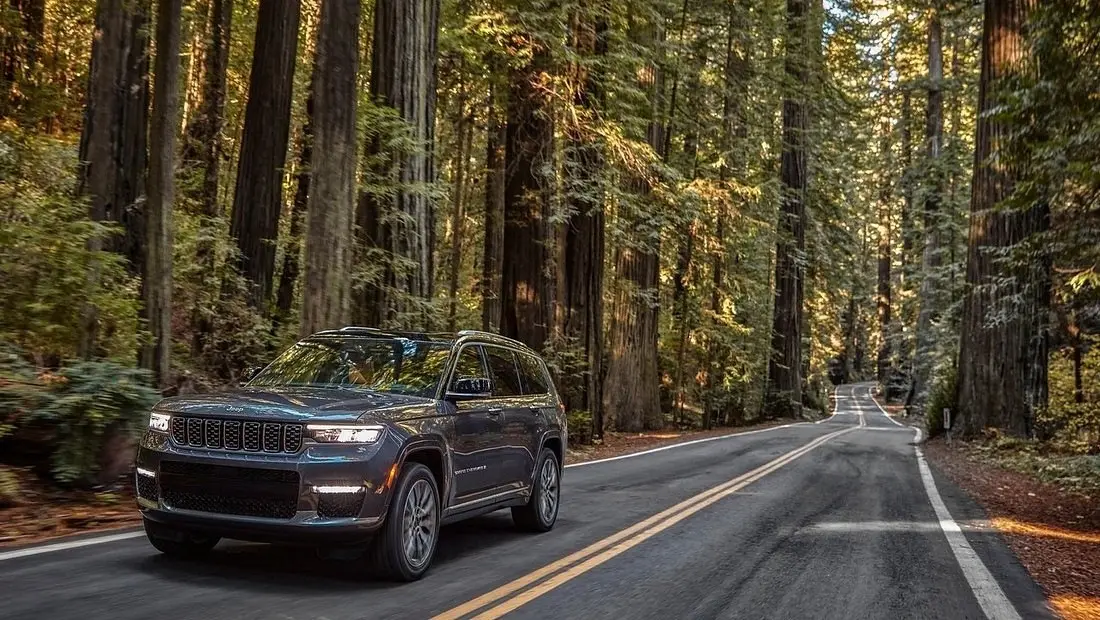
316, 465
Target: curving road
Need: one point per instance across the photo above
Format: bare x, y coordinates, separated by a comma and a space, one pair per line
839, 519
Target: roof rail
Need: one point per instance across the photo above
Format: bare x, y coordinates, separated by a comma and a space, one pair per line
491, 336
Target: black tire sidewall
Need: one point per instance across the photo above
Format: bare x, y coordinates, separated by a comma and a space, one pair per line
394, 534
536, 497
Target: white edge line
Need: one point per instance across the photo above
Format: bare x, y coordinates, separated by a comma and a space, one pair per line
884, 412
836, 406
986, 590
61, 546
681, 444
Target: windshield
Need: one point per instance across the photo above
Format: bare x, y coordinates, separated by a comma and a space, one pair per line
393, 365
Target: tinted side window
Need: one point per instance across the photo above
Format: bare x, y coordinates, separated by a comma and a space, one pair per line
468, 365
534, 379
502, 367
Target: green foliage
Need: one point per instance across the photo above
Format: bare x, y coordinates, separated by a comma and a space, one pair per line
942, 396
10, 489
580, 427
45, 261
89, 401
1072, 426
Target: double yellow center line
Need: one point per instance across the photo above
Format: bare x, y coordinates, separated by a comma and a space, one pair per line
561, 571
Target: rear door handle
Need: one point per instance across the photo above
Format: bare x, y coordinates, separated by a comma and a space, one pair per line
494, 412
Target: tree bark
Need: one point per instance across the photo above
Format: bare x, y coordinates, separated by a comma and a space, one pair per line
258, 197
527, 286
288, 277
205, 132
326, 294
1002, 367
631, 393
930, 285
162, 189
495, 139
403, 76
464, 129
583, 244
883, 296
784, 393
113, 140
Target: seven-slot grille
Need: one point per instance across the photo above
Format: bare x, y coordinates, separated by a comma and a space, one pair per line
271, 437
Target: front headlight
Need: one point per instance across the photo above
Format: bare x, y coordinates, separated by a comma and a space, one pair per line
343, 433
159, 421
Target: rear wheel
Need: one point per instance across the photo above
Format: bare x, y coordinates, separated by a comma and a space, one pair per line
178, 543
403, 548
541, 511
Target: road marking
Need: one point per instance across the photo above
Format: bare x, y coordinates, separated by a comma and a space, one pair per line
884, 412
986, 590
681, 445
836, 406
74, 544
603, 550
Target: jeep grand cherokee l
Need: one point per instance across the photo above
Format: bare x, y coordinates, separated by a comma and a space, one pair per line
356, 436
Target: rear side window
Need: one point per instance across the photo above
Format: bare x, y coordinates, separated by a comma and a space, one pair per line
468, 365
534, 378
502, 368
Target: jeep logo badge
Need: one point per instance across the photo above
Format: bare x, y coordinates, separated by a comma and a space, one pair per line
232, 409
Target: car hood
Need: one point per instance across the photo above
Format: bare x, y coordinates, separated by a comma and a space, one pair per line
301, 404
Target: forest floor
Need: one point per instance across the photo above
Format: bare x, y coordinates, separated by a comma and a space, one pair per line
46, 512
1053, 530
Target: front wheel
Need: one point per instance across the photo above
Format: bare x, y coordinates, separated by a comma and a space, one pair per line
541, 512
177, 543
403, 549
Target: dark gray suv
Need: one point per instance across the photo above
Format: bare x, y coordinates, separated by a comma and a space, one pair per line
358, 436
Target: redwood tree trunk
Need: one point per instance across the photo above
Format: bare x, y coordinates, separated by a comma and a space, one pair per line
495, 139
258, 199
161, 189
527, 288
631, 393
930, 286
113, 139
583, 249
784, 394
1002, 366
326, 294
403, 76
883, 296
288, 277
206, 130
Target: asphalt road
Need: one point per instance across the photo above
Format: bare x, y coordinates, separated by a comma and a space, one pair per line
826, 520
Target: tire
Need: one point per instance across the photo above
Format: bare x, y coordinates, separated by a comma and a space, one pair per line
178, 543
541, 512
401, 553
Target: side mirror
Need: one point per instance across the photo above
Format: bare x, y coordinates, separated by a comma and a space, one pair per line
468, 388
250, 373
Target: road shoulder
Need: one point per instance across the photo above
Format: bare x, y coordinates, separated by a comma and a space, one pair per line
1053, 533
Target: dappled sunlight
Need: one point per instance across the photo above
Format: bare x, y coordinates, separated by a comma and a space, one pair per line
1073, 607
1013, 526
887, 526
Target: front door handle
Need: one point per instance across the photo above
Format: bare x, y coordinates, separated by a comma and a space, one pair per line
494, 412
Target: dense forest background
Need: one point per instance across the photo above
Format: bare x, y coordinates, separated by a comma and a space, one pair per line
703, 212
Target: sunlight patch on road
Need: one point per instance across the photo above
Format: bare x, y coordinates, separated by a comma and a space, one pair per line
1013, 526
1073, 607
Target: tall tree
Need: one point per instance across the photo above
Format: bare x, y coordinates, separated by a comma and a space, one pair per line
583, 243
258, 198
883, 291
631, 396
1002, 363
205, 131
930, 286
527, 286
161, 188
327, 291
403, 76
288, 276
784, 393
496, 136
113, 139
